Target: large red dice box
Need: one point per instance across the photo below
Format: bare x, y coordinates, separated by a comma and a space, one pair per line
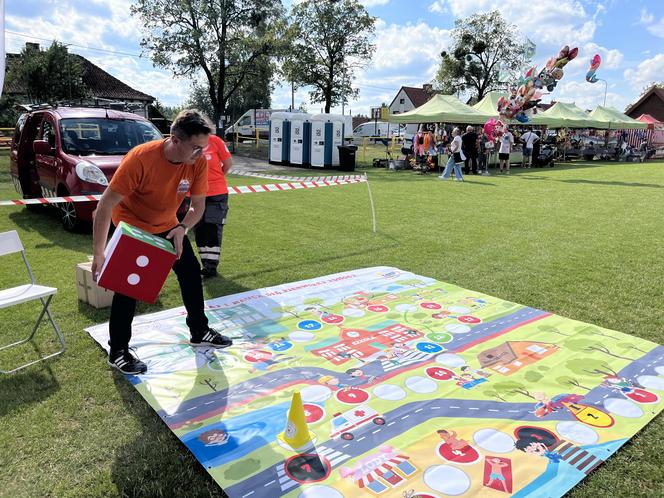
137, 263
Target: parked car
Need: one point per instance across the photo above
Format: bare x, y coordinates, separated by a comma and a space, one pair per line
67, 151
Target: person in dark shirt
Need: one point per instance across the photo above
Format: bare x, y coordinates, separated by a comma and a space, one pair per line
469, 147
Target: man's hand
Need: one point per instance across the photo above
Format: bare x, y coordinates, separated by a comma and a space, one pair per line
97, 265
177, 234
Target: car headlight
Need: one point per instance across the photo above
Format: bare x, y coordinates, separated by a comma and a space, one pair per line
88, 172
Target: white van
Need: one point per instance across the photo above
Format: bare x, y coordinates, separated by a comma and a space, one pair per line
377, 129
250, 121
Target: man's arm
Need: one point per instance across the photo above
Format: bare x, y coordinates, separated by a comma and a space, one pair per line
100, 227
192, 217
227, 164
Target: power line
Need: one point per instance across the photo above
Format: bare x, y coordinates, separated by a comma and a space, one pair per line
75, 45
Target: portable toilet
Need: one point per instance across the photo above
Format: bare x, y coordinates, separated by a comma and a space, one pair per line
298, 142
279, 137
329, 127
318, 141
335, 127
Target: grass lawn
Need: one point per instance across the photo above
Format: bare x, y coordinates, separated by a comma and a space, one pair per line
580, 240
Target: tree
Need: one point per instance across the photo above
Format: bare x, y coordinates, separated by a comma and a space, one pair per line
48, 75
588, 346
571, 381
331, 41
589, 366
222, 40
483, 45
510, 387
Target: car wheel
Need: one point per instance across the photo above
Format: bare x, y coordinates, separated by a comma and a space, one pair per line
69, 217
347, 436
379, 421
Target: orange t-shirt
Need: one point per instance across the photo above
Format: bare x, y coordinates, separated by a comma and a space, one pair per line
153, 188
216, 153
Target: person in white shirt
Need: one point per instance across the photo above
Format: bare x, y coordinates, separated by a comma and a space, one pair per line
506, 142
456, 157
529, 138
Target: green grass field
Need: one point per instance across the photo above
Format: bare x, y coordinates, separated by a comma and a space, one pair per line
579, 240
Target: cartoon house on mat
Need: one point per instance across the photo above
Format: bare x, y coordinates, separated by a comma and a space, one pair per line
360, 344
512, 356
380, 472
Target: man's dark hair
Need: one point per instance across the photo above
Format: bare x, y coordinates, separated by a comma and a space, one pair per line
191, 122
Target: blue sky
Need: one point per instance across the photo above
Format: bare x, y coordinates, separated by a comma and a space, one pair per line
410, 34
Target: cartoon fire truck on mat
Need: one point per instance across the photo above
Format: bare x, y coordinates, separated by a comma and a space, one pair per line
344, 423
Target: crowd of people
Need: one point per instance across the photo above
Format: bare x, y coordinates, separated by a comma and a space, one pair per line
470, 151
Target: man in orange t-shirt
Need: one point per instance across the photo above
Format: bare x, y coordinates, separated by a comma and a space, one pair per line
146, 191
210, 230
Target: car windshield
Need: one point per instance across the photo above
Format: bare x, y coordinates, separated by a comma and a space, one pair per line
105, 136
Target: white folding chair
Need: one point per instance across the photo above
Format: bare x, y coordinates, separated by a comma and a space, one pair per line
11, 243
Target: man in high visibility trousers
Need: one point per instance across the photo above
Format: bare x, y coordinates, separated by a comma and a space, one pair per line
210, 230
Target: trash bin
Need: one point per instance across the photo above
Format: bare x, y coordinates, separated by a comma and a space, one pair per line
347, 157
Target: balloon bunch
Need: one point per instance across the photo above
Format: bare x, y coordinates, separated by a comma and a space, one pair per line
553, 70
591, 77
529, 91
494, 128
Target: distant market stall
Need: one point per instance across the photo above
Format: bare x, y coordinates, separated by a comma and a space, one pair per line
442, 109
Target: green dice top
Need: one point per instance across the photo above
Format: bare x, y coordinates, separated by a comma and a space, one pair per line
146, 237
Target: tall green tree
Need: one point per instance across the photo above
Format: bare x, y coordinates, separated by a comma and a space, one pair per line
221, 39
483, 46
47, 75
331, 42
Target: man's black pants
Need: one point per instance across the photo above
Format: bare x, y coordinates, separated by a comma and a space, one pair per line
210, 231
188, 271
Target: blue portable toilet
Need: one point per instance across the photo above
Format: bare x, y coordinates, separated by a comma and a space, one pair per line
330, 127
298, 142
279, 137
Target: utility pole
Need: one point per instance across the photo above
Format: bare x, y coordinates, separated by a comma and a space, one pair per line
292, 96
343, 97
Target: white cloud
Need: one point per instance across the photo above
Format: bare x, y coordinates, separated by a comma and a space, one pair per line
399, 45
647, 71
588, 95
646, 17
374, 3
654, 28
550, 22
438, 7
657, 29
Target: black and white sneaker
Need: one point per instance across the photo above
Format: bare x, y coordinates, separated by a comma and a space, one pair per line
210, 337
127, 363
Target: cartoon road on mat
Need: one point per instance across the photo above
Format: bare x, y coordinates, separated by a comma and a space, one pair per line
411, 387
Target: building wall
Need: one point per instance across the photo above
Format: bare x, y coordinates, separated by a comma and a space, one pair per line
397, 107
653, 105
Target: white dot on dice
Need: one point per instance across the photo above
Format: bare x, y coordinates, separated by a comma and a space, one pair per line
142, 261
133, 279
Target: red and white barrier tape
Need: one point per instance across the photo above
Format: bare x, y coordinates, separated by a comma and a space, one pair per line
329, 178
242, 189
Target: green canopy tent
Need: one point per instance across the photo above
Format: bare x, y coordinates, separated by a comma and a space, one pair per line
442, 109
616, 120
489, 105
564, 115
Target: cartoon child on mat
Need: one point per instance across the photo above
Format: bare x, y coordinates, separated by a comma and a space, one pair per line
214, 437
497, 466
455, 444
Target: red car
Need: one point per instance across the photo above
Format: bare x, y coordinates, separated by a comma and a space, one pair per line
66, 151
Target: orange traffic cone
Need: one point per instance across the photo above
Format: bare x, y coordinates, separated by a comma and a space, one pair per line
296, 435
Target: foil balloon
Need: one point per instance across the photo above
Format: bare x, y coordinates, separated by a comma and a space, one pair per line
494, 128
591, 77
